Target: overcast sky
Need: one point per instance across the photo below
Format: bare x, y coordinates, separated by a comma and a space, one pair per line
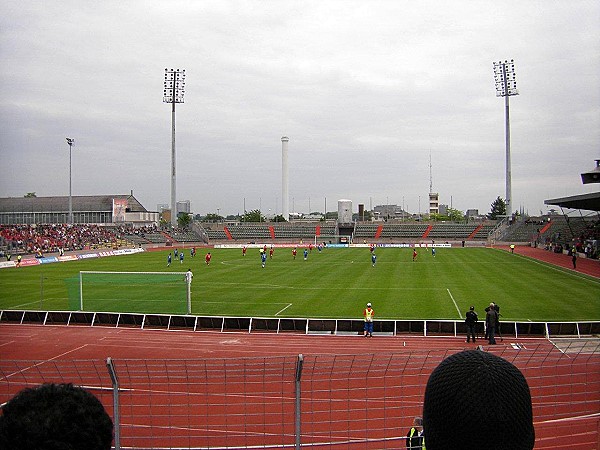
366, 91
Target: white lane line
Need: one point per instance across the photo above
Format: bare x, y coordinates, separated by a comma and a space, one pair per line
45, 361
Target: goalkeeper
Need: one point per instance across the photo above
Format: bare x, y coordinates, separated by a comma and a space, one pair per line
188, 276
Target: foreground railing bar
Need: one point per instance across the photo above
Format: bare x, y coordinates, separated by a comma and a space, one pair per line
424, 327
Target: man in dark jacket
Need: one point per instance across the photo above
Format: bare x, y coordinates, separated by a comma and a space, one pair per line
491, 321
471, 320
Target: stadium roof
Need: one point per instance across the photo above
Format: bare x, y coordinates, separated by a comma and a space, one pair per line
589, 202
61, 204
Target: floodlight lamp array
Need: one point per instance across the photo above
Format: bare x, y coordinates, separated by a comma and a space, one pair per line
504, 77
174, 86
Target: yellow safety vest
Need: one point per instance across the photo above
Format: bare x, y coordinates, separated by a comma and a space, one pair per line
369, 315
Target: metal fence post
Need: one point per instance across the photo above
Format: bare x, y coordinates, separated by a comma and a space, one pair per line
115, 384
299, 364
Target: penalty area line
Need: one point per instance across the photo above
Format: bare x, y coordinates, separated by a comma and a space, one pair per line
455, 305
282, 310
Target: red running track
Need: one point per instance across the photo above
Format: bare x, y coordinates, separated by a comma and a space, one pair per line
566, 393
584, 265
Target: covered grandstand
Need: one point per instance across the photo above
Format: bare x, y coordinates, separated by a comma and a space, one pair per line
87, 209
580, 232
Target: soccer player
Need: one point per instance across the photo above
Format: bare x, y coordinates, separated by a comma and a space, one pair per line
263, 258
414, 255
181, 257
294, 252
373, 259
271, 252
188, 276
169, 259
244, 248
207, 258
305, 254
433, 252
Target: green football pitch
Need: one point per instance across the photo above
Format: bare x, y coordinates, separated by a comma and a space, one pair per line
334, 283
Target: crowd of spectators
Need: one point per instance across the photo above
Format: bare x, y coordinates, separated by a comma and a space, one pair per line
587, 243
41, 239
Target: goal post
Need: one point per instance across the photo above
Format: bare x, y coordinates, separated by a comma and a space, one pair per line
143, 292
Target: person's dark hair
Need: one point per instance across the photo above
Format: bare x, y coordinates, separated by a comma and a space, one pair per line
55, 417
476, 400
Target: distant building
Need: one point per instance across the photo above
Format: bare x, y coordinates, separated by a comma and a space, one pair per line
313, 216
434, 201
344, 211
183, 206
389, 212
443, 210
96, 209
473, 215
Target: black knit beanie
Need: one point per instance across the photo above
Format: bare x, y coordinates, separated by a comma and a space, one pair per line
475, 400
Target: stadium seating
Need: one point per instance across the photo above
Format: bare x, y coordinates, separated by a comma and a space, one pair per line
523, 231
408, 232
185, 236
451, 231
48, 238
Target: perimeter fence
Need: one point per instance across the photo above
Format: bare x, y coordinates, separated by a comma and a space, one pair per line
312, 401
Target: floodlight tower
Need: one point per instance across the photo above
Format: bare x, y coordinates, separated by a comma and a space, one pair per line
70, 218
285, 202
174, 89
506, 85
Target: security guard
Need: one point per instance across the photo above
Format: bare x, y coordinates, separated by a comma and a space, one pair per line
415, 439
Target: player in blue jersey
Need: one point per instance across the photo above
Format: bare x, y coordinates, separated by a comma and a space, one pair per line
373, 259
169, 259
263, 258
305, 254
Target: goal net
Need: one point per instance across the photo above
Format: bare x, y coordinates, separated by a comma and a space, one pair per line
139, 292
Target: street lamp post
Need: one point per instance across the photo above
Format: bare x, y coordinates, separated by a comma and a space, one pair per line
70, 219
506, 86
174, 88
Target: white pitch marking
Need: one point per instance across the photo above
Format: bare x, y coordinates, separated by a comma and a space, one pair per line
280, 311
455, 305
